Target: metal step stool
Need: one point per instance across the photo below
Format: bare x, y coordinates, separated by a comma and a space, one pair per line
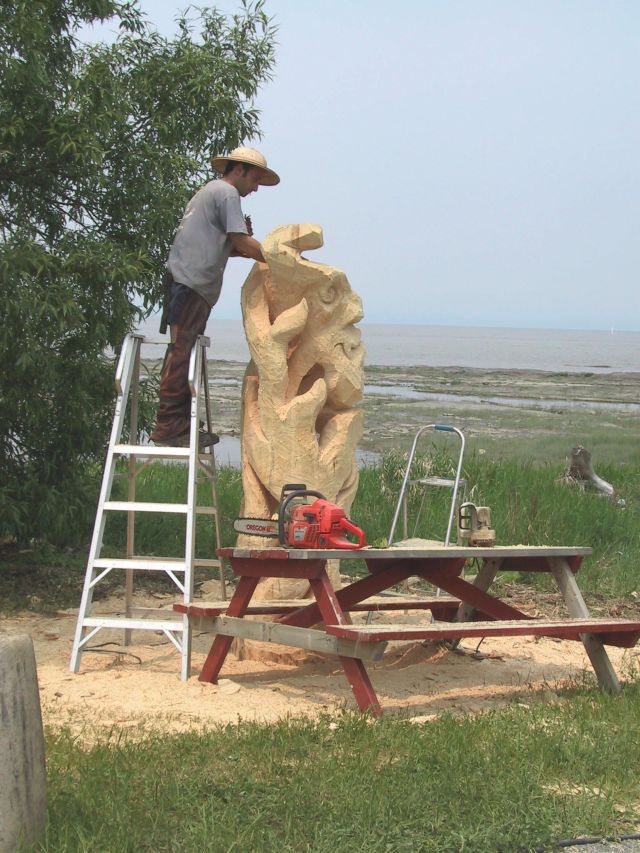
454, 483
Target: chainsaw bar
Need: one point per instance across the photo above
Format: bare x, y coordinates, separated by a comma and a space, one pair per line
267, 527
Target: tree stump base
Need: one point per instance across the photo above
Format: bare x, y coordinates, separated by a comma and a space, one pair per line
580, 473
272, 653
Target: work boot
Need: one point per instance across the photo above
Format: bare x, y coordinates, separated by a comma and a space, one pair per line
205, 439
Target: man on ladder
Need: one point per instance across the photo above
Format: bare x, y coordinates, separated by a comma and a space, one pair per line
212, 229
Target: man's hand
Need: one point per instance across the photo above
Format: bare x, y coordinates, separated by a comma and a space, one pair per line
246, 247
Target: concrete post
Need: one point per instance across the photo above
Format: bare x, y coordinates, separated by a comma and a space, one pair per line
23, 794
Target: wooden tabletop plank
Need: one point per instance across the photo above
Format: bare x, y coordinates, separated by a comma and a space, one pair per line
564, 628
376, 603
397, 552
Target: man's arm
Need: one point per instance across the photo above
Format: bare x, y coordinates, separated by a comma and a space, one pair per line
246, 247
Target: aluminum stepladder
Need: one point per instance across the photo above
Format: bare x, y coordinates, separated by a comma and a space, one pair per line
180, 570
454, 483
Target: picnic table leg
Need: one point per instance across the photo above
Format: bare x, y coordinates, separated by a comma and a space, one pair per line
483, 580
361, 685
221, 645
576, 606
354, 669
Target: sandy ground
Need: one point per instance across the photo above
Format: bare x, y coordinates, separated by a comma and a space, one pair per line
139, 686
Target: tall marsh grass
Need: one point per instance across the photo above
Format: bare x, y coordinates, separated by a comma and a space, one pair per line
529, 505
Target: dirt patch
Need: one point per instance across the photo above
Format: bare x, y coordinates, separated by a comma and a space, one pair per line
139, 686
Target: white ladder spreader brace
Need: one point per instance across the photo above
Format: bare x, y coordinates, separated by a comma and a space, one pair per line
179, 570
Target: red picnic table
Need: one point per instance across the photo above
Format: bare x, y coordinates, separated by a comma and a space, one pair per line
322, 624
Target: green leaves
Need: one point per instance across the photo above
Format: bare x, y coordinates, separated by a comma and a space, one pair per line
101, 146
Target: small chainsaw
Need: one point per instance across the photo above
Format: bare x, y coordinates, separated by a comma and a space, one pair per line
321, 524
474, 526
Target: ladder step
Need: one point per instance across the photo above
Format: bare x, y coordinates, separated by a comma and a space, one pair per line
154, 564
147, 506
147, 612
205, 341
144, 506
206, 510
449, 482
150, 450
152, 340
139, 624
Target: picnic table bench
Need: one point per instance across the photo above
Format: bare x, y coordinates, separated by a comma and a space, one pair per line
467, 608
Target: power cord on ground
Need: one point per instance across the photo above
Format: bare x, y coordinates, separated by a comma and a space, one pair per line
583, 842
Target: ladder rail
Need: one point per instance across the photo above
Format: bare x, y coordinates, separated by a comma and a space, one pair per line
123, 368
190, 532
124, 374
131, 487
213, 478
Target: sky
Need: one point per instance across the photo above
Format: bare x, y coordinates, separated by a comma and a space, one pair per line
471, 162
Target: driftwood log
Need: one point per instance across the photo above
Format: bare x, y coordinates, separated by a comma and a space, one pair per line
580, 473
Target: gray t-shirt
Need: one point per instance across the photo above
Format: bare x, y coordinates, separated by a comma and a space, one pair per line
201, 247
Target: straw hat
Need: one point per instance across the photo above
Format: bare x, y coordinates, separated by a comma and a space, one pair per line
250, 156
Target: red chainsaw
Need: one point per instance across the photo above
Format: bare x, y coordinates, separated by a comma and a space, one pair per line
321, 524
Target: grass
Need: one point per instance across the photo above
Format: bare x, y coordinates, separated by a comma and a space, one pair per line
163, 534
504, 433
507, 780
529, 506
504, 781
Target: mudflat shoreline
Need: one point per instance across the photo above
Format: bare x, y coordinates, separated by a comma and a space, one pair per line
495, 407
518, 383
528, 413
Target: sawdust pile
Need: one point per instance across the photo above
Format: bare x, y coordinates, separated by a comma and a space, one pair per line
138, 687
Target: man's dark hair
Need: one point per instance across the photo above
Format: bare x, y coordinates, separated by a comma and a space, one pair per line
232, 164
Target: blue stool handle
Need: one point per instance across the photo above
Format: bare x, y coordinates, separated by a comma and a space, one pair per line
444, 428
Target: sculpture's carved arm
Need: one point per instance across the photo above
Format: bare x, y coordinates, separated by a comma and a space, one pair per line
251, 411
290, 323
345, 428
269, 343
304, 409
347, 492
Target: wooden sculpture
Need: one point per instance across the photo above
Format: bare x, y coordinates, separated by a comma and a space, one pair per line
300, 423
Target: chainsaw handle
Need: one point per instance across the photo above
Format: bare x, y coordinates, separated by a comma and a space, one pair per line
466, 512
296, 493
350, 527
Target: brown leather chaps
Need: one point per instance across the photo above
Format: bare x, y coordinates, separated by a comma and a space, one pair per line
174, 412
